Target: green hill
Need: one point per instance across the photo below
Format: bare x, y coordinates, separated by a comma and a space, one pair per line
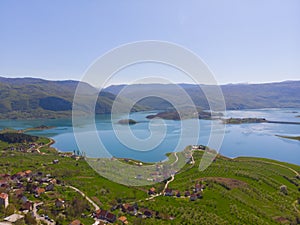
36, 98
235, 191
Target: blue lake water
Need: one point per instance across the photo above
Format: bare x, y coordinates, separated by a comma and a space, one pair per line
256, 140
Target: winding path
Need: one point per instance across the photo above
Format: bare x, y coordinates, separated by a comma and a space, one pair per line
51, 142
38, 217
86, 197
172, 175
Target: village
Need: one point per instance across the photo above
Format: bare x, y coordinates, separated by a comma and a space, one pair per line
26, 182
28, 189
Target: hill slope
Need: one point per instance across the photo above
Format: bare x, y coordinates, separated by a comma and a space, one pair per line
236, 191
237, 96
37, 98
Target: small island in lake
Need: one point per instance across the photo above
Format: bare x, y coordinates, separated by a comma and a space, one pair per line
244, 120
174, 115
255, 120
127, 121
41, 127
290, 137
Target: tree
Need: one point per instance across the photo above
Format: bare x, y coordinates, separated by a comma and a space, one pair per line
29, 219
10, 209
283, 189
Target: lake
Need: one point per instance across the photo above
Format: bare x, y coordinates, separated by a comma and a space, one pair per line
257, 140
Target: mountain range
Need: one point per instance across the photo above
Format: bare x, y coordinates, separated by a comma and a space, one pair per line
30, 98
237, 96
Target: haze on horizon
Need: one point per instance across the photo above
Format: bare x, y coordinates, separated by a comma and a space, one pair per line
240, 41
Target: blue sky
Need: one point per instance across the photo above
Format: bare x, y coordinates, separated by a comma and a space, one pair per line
240, 40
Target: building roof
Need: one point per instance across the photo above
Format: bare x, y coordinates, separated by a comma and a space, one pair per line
110, 216
28, 172
75, 222
123, 219
21, 174
13, 218
40, 190
152, 189
3, 195
3, 182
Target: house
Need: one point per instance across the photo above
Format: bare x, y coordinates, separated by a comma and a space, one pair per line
131, 209
199, 195
168, 192
53, 181
106, 215
5, 176
49, 187
151, 191
197, 187
111, 217
19, 193
24, 199
38, 191
55, 161
4, 200
147, 213
197, 147
39, 173
59, 203
28, 173
28, 205
101, 213
20, 175
3, 183
193, 197
45, 180
177, 194
76, 222
187, 194
123, 219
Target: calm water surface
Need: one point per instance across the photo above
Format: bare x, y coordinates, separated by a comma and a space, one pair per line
256, 140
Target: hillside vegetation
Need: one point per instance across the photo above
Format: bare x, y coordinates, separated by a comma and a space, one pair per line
29, 98
237, 96
36, 98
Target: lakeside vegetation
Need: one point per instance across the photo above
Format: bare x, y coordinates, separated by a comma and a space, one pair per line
127, 121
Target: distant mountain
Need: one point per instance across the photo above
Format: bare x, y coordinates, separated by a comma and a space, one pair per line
37, 98
30, 98
237, 96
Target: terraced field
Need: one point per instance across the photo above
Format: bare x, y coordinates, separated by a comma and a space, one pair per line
238, 191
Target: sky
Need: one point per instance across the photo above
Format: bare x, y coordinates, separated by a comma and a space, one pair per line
241, 41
